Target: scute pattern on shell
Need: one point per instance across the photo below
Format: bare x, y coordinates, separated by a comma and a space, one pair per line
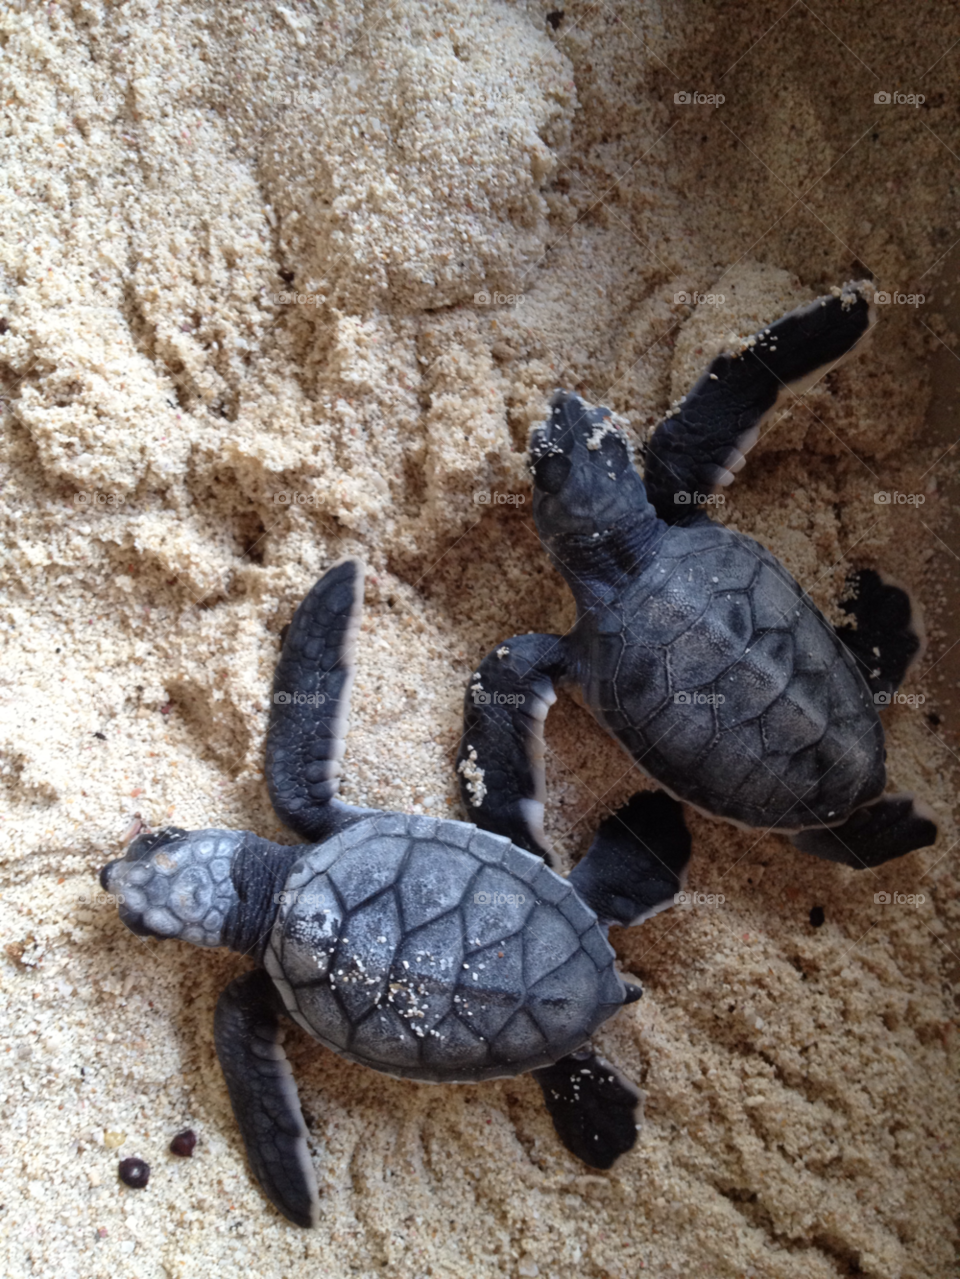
435, 951
779, 729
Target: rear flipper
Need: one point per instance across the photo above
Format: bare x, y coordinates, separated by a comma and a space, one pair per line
705, 441
500, 761
637, 862
891, 827
246, 1031
593, 1108
888, 636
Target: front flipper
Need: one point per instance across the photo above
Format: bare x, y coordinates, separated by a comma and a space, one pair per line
500, 761
888, 637
637, 861
246, 1031
705, 440
891, 827
593, 1108
311, 703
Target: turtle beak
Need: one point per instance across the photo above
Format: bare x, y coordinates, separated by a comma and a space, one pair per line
563, 414
139, 850
575, 436
584, 477
556, 436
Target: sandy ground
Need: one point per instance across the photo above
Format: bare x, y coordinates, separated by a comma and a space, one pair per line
286, 281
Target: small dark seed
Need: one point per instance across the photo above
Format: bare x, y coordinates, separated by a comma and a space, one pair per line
816, 916
134, 1173
183, 1143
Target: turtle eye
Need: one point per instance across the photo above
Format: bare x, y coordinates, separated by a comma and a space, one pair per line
552, 472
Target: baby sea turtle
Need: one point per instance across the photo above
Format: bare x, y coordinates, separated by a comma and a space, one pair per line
693, 645
423, 948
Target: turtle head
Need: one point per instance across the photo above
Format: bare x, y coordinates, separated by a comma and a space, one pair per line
177, 883
585, 482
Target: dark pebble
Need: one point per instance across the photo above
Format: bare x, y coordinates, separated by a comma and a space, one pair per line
134, 1173
816, 916
183, 1143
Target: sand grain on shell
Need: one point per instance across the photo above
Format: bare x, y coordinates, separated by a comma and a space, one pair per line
285, 282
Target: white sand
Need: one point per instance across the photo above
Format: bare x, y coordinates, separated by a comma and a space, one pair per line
183, 454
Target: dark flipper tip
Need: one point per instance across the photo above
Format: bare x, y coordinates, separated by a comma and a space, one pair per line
888, 637
593, 1108
893, 826
636, 863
